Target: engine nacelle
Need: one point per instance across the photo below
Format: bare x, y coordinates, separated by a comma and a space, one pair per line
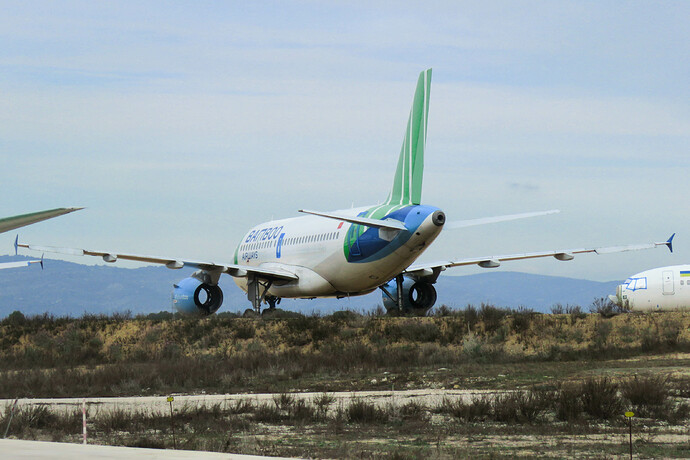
191, 296
418, 296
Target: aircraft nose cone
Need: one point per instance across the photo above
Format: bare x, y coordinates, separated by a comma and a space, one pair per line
438, 218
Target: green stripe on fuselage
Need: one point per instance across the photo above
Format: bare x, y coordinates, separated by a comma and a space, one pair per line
356, 230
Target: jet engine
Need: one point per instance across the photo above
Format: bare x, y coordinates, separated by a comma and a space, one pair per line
418, 296
193, 296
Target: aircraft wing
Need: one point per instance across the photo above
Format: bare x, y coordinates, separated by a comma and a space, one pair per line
23, 263
431, 271
238, 271
10, 223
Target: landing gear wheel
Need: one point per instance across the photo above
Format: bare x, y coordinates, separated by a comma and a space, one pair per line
272, 302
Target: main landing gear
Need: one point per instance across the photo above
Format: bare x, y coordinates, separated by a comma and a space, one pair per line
257, 290
398, 297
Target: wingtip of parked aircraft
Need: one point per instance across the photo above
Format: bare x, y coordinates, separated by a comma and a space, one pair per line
669, 242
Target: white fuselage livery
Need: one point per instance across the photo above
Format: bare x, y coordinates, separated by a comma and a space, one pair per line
659, 289
312, 248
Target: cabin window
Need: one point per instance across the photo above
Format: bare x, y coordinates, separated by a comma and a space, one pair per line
681, 282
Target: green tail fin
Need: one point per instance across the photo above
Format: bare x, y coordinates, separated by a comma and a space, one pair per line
407, 185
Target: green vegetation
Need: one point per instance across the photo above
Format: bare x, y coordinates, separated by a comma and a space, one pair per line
43, 356
558, 383
291, 425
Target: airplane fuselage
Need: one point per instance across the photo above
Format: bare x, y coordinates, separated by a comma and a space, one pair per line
658, 289
337, 258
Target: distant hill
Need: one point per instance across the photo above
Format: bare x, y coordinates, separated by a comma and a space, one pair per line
66, 288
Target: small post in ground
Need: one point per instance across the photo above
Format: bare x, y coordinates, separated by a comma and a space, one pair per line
629, 416
12, 410
83, 418
172, 424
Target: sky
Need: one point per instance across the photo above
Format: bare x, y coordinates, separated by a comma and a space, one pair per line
179, 125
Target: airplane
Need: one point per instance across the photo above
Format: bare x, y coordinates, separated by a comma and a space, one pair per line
658, 289
346, 252
14, 222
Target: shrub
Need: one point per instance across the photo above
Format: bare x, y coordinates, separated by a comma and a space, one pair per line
34, 417
266, 413
344, 316
116, 420
322, 402
360, 411
414, 410
646, 391
442, 311
521, 406
522, 318
301, 411
675, 415
477, 409
670, 331
605, 307
492, 316
568, 403
412, 330
600, 398
240, 406
471, 316
557, 309
16, 318
284, 401
472, 346
602, 331
244, 330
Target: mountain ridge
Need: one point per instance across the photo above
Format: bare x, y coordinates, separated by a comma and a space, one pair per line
71, 289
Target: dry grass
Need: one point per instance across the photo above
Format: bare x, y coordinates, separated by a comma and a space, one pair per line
567, 378
502, 425
46, 356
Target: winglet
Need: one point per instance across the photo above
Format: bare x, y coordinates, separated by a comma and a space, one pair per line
16, 245
42, 261
669, 243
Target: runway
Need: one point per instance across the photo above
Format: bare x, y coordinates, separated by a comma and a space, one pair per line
427, 396
11, 449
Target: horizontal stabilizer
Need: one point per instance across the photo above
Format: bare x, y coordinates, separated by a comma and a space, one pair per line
375, 223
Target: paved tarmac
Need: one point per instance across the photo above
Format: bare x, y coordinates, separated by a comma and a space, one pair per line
11, 449
427, 396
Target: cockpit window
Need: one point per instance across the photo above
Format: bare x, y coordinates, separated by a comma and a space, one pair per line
634, 284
